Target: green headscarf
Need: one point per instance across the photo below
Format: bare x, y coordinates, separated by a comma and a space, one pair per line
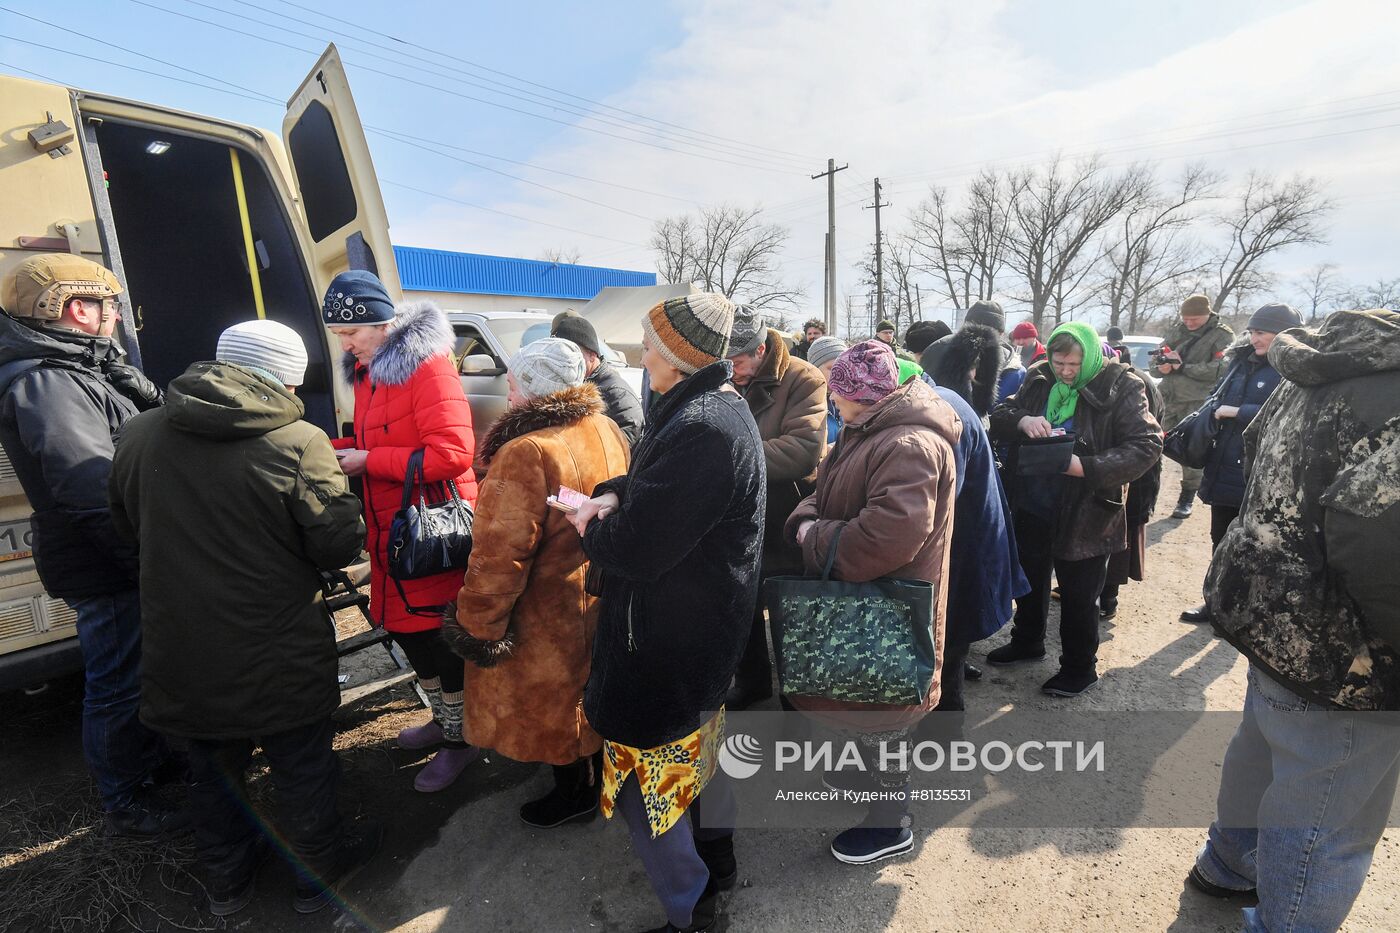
1064, 398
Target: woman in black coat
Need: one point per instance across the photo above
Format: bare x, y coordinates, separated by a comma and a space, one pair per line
1246, 386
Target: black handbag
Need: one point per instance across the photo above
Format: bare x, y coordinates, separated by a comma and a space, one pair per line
428, 538
1190, 442
855, 642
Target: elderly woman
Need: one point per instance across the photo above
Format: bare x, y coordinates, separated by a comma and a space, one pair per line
887, 491
407, 398
1071, 522
1245, 387
678, 542
523, 619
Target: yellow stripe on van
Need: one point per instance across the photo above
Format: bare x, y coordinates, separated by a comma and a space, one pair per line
253, 273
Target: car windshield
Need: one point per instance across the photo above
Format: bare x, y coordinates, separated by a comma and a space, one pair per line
515, 332
1142, 351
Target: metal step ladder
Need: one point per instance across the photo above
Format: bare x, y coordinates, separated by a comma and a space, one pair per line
341, 590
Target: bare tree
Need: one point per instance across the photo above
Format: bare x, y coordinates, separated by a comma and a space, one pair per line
1270, 215
1383, 293
567, 256
1149, 250
1321, 290
1057, 216
850, 316
901, 291
726, 249
966, 249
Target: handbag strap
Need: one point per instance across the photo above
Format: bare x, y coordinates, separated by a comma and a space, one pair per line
413, 476
831, 554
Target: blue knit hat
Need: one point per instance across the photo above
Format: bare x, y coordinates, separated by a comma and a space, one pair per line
356, 298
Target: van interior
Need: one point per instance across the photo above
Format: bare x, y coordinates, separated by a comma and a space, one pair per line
178, 219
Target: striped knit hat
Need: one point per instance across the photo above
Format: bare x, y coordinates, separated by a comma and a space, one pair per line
267, 346
691, 332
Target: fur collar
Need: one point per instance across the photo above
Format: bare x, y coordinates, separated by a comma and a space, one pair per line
420, 332
545, 411
972, 347
776, 359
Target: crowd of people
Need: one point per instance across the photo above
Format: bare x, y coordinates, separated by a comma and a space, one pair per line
608, 638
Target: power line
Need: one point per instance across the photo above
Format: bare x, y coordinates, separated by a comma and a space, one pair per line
481, 100
747, 144
481, 207
387, 133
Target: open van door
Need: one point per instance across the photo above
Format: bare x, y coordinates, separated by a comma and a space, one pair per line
335, 179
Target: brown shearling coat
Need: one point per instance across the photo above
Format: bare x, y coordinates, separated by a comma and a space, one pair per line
787, 398
523, 620
888, 485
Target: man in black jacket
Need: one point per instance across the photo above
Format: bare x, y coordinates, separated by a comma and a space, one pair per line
622, 404
65, 391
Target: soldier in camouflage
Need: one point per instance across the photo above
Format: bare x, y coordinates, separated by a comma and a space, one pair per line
1300, 586
1191, 362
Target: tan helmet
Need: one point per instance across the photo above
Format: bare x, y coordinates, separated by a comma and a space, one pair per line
40, 286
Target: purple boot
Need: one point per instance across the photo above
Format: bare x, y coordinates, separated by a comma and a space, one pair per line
428, 735
444, 768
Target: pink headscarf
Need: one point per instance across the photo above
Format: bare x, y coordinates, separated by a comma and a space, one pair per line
865, 373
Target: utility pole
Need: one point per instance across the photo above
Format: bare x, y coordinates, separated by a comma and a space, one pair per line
879, 254
829, 312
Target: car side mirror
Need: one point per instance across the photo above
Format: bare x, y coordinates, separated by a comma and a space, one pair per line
480, 364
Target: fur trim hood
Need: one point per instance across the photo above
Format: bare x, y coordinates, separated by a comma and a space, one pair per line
545, 411
974, 347
419, 333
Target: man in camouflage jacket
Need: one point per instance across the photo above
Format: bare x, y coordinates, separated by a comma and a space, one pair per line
1194, 360
1300, 585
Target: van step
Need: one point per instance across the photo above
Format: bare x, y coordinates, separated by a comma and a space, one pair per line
375, 636
374, 686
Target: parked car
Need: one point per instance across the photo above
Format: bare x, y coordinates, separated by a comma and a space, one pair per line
486, 340
1141, 347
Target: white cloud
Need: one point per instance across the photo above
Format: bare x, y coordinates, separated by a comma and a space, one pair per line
932, 89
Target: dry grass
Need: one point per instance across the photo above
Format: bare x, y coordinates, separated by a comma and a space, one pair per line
60, 870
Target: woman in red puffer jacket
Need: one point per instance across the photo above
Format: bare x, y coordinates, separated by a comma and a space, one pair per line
407, 397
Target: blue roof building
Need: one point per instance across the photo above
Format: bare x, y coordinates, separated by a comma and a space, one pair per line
444, 274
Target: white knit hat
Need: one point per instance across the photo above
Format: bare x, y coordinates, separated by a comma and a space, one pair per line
547, 366
268, 346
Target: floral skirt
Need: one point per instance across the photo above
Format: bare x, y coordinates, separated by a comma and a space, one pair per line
670, 776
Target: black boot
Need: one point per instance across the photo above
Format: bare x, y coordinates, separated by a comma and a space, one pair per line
1198, 616
1183, 504
573, 797
718, 856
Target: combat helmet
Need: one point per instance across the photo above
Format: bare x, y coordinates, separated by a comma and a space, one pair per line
40, 286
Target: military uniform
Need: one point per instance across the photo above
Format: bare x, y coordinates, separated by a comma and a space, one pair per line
1186, 388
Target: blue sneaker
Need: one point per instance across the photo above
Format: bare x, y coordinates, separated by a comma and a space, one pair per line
863, 845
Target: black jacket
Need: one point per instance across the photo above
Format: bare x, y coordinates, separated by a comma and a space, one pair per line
619, 401
1248, 383
235, 502
1117, 440
680, 561
60, 408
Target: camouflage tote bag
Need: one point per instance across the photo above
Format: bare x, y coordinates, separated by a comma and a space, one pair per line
854, 642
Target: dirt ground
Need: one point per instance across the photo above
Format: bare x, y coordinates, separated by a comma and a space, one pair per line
462, 859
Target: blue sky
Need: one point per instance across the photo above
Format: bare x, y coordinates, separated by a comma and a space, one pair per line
915, 92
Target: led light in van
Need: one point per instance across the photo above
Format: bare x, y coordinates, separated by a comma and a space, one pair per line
157, 147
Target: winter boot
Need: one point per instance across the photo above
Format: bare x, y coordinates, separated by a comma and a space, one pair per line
428, 735
316, 888
445, 767
718, 856
573, 797
1184, 504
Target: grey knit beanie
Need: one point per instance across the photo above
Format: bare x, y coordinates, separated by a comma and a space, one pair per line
269, 346
1274, 319
824, 350
987, 312
547, 366
749, 330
